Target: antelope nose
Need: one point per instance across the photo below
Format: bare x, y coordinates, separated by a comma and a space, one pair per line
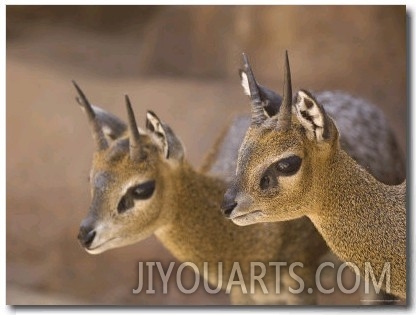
228, 206
86, 236
229, 203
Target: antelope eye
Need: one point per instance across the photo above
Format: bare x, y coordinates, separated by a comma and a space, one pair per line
125, 204
139, 192
144, 191
265, 182
268, 180
288, 166
284, 167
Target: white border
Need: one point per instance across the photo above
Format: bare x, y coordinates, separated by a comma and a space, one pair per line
8, 310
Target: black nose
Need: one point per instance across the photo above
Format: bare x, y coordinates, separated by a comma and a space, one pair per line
228, 206
86, 236
229, 203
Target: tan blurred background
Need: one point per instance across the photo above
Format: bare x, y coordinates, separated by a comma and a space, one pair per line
181, 62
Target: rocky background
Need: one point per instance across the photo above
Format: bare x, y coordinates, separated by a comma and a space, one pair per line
180, 61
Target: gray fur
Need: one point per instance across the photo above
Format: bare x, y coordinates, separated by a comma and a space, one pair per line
226, 159
359, 121
113, 126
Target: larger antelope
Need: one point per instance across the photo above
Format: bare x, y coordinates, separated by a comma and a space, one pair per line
291, 165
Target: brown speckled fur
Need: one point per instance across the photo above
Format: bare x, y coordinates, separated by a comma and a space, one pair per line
184, 214
361, 219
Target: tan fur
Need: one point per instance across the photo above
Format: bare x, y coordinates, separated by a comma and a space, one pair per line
361, 219
184, 214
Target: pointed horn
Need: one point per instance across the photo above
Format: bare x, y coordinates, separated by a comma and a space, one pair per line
285, 112
257, 111
97, 131
136, 151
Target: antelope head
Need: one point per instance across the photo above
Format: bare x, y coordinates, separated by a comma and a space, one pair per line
129, 178
281, 154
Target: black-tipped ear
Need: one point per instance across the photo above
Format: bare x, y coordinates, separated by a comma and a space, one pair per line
169, 144
270, 99
312, 116
112, 126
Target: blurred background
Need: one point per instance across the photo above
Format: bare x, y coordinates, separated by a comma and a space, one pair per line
180, 61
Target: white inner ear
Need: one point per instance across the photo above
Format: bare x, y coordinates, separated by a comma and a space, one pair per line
244, 83
159, 132
314, 120
108, 132
141, 131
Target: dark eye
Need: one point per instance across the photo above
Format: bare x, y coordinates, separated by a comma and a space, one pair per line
265, 182
144, 191
288, 166
125, 203
139, 192
284, 167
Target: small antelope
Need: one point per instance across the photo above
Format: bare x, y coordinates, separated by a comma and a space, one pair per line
292, 165
141, 184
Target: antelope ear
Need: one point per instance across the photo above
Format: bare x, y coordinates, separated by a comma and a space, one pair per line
270, 99
169, 144
312, 116
112, 126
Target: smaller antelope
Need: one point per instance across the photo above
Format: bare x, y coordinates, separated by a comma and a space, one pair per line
291, 165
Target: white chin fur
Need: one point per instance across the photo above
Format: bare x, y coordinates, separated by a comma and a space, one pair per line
95, 251
248, 218
112, 243
241, 222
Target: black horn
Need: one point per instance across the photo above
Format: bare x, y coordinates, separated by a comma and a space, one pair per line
97, 132
285, 113
136, 148
257, 111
